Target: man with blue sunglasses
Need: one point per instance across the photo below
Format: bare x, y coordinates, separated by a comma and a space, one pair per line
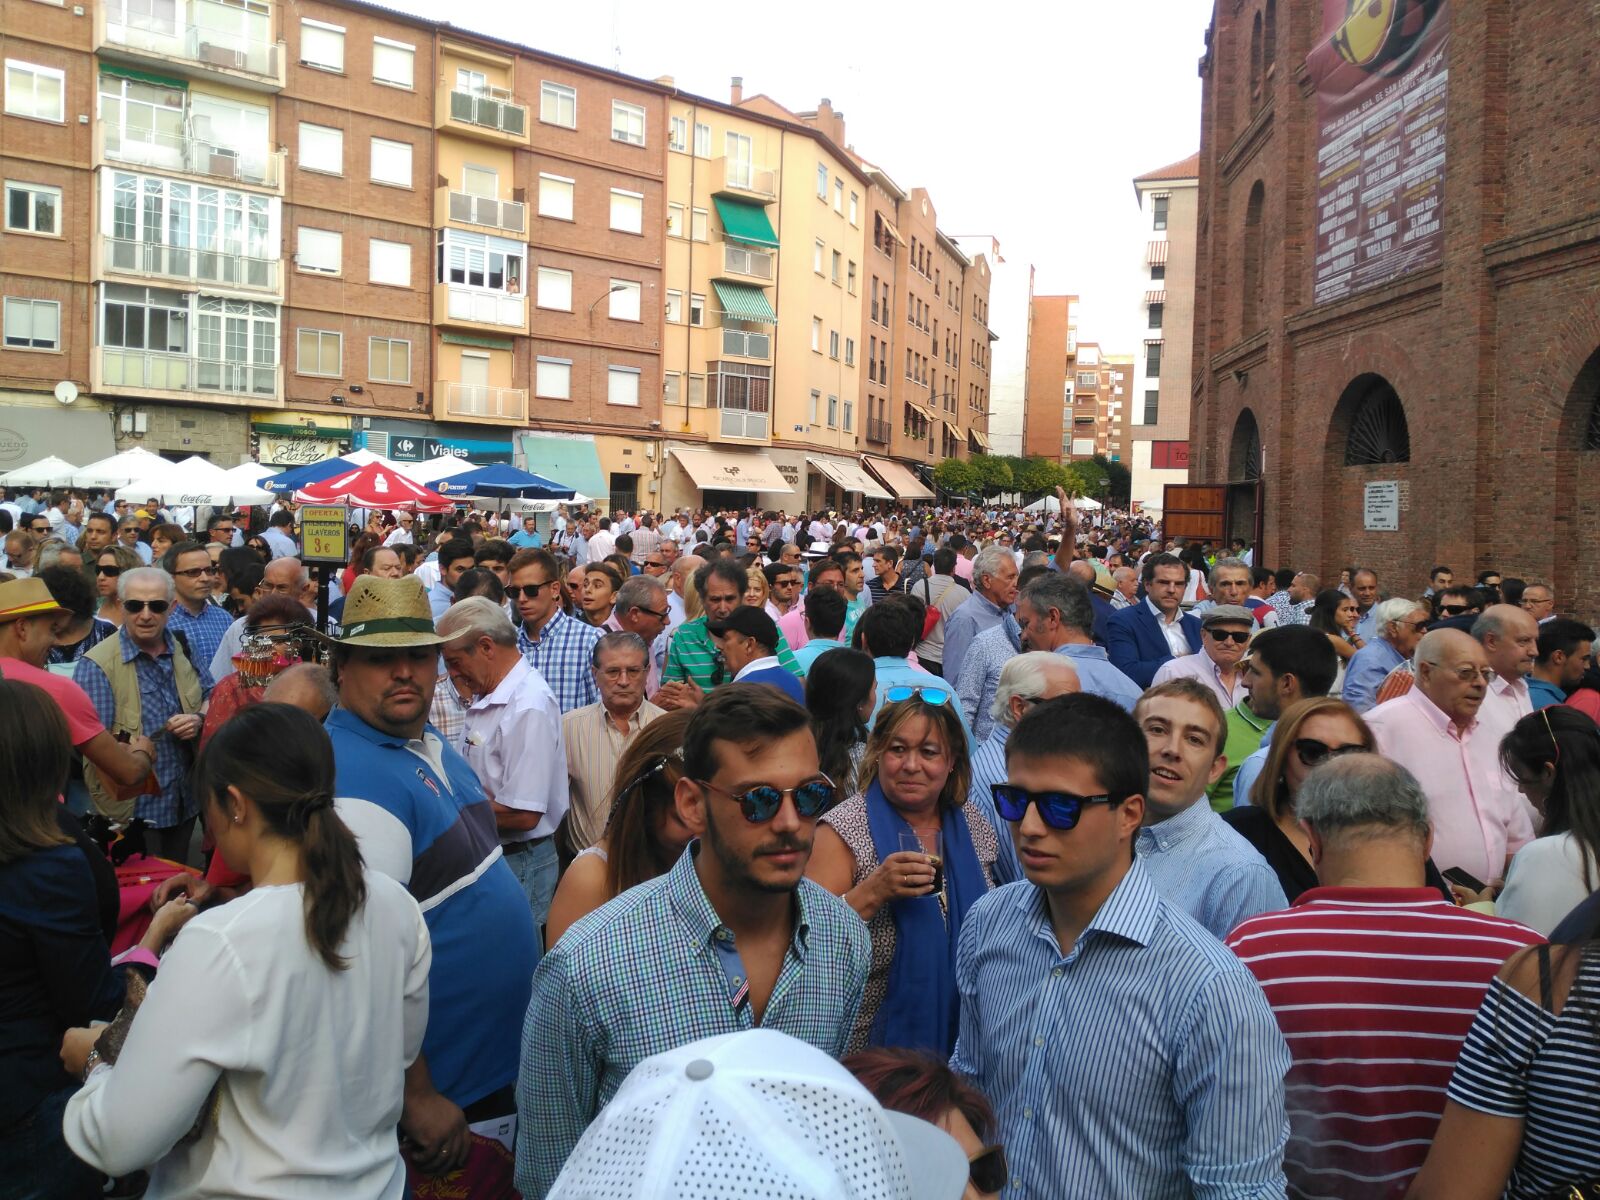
1084, 974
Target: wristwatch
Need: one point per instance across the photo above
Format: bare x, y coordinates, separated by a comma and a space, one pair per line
91, 1062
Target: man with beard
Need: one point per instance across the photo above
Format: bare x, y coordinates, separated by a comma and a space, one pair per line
732, 937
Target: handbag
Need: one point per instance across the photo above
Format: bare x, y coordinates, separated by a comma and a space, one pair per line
930, 618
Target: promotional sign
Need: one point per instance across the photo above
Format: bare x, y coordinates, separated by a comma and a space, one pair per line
1381, 74
406, 447
289, 452
1381, 511
324, 533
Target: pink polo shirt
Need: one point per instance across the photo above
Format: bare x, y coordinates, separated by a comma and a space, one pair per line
1479, 819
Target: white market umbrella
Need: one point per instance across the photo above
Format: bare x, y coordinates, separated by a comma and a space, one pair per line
360, 458
194, 482
119, 470
250, 473
441, 466
47, 472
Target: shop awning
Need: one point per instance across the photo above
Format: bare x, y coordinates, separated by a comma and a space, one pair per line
1155, 297
847, 473
573, 461
166, 81
451, 338
29, 435
980, 437
745, 222
731, 470
897, 478
744, 302
1157, 253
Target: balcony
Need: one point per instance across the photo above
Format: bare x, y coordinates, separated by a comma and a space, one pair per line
145, 371
161, 151
506, 215
233, 48
476, 306
877, 431
736, 177
124, 256
480, 402
491, 111
744, 261
744, 344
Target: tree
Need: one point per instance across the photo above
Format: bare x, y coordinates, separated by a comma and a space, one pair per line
1083, 479
1119, 481
994, 474
1039, 476
957, 478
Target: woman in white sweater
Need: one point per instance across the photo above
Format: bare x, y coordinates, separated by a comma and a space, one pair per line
268, 1058
1554, 756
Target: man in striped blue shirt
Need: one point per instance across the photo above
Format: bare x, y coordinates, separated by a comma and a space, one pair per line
1126, 1052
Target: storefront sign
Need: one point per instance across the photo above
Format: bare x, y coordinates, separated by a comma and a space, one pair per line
1382, 509
295, 452
1169, 456
324, 533
29, 434
404, 447
1381, 74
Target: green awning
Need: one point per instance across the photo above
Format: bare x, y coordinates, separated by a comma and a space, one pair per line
744, 302
572, 460
475, 339
143, 76
745, 222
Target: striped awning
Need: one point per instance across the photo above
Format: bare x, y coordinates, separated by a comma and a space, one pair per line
1157, 254
744, 302
1155, 297
979, 437
893, 232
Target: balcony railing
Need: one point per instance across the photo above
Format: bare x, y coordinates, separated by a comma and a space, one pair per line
486, 210
129, 257
745, 344
877, 431
157, 371
208, 46
492, 109
481, 400
198, 156
741, 260
487, 308
742, 423
737, 175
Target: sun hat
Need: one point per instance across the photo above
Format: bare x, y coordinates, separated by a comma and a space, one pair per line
387, 612
26, 598
756, 1113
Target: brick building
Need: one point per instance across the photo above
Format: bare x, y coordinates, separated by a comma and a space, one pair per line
1050, 408
1470, 380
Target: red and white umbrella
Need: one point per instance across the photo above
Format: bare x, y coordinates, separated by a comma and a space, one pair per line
374, 486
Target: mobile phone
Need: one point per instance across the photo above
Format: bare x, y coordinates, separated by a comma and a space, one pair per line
1457, 876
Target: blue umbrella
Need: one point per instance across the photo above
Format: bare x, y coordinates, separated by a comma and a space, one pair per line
296, 478
501, 479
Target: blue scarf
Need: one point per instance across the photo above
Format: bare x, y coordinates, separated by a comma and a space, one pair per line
921, 1008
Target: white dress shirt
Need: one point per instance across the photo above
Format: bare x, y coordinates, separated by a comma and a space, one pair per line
604, 542
513, 742
1177, 640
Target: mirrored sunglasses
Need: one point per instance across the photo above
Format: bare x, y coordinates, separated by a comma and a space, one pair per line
1059, 810
761, 803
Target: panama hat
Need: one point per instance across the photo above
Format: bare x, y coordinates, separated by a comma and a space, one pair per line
387, 612
26, 598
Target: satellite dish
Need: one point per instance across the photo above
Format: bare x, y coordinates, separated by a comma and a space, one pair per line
66, 391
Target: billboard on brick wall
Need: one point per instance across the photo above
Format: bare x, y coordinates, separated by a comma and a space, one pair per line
1381, 74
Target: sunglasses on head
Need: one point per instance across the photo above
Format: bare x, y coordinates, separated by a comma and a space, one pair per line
761, 803
988, 1169
138, 606
1059, 810
928, 695
1311, 752
1241, 636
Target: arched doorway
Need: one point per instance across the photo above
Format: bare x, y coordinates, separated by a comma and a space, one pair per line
1244, 508
1373, 421
1244, 451
1575, 561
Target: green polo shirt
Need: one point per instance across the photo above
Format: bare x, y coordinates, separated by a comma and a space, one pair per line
1245, 731
692, 654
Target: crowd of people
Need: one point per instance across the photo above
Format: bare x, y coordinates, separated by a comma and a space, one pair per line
937, 853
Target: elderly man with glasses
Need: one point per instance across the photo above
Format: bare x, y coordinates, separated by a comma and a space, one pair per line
597, 735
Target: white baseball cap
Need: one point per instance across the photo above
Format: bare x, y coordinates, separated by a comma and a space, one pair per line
756, 1113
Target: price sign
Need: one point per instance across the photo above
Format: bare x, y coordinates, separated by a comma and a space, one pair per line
324, 533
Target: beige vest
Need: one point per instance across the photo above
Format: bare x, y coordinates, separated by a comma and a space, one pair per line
129, 716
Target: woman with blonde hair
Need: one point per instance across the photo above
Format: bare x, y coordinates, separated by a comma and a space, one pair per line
911, 854
756, 591
109, 566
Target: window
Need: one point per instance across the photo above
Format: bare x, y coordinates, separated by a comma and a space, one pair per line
391, 162
32, 324
816, 334
697, 391
552, 378
850, 279
555, 289
697, 309
393, 63
321, 148
627, 211
558, 104
1158, 272
475, 83
699, 225
1152, 360
1158, 209
837, 260
1152, 406
622, 386
678, 135
849, 415
674, 307
817, 251
1250, 283
321, 45
675, 220
318, 250
38, 92
153, 319
388, 360
855, 209
626, 295
838, 196
479, 261
319, 352
702, 149
480, 181
389, 262
1155, 315
627, 125
833, 412
849, 352
33, 208
672, 389
816, 406
555, 197
833, 343
822, 181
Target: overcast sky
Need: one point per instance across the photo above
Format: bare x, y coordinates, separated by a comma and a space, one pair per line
1029, 123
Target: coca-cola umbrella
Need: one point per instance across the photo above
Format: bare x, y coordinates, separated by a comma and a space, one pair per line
374, 486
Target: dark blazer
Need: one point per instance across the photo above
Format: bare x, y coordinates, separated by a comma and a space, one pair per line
1136, 645
1102, 616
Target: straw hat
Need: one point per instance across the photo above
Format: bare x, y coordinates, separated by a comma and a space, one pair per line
27, 597
388, 612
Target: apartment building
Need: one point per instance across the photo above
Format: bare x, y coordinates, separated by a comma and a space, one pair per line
1051, 412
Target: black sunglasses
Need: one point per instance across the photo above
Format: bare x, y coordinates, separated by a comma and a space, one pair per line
660, 616
515, 591
1311, 752
138, 606
761, 803
1452, 610
988, 1169
1060, 810
112, 572
1242, 636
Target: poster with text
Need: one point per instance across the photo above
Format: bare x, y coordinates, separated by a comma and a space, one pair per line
1381, 74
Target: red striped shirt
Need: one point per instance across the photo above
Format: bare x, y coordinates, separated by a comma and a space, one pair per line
1374, 990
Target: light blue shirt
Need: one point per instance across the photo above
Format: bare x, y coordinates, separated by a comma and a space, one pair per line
1368, 668
1143, 1061
1098, 677
1200, 865
439, 599
897, 672
977, 613
815, 649
979, 678
1367, 627
280, 543
1250, 770
522, 538
988, 769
